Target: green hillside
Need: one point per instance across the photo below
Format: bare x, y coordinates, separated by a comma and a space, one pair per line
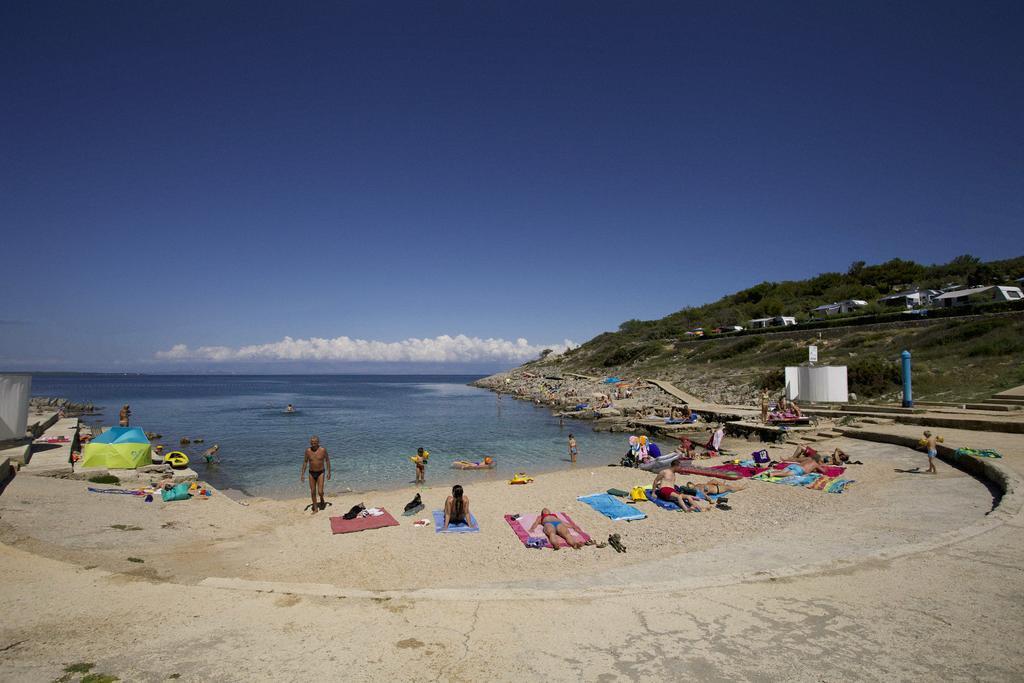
798, 297
955, 358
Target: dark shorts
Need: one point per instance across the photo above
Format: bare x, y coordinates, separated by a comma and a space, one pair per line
315, 476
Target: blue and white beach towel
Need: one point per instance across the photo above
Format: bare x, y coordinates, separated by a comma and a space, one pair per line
472, 528
612, 507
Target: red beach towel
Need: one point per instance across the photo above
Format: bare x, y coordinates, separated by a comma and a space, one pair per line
827, 470
739, 469
340, 525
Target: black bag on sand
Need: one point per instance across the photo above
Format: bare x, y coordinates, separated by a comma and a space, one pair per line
414, 503
354, 512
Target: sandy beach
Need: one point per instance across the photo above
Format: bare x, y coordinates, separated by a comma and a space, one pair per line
264, 590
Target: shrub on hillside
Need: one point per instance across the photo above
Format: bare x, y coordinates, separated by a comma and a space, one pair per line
873, 376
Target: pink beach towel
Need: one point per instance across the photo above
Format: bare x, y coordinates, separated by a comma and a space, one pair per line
520, 526
827, 470
739, 469
340, 525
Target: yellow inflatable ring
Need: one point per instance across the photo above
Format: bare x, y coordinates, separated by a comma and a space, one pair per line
177, 460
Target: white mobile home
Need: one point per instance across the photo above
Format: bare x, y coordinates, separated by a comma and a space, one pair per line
979, 295
911, 299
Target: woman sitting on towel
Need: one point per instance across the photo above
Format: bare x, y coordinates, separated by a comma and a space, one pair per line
553, 527
456, 508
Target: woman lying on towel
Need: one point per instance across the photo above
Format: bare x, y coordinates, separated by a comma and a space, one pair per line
713, 488
553, 527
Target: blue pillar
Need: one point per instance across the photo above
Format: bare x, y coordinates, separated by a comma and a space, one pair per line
908, 396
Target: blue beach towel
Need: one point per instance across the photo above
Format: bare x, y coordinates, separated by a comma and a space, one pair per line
454, 528
612, 507
665, 505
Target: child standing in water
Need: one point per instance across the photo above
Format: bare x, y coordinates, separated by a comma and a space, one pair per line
573, 450
420, 460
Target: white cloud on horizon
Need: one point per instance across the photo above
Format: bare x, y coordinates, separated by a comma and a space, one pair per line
442, 349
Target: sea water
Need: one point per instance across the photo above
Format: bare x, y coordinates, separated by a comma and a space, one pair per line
371, 426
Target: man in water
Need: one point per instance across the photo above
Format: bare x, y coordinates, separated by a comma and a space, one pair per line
290, 408
319, 463
125, 415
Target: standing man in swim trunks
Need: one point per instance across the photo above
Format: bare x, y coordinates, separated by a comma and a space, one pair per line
318, 461
573, 449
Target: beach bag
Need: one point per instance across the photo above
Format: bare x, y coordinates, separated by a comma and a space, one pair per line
414, 503
637, 494
654, 451
761, 457
178, 492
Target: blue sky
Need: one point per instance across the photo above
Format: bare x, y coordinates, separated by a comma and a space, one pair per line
223, 175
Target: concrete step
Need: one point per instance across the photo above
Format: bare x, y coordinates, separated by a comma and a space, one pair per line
1011, 401
1001, 407
863, 407
878, 421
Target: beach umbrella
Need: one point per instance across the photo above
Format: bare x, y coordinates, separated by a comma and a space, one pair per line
118, 448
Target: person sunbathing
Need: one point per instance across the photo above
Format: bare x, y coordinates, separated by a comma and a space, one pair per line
553, 527
686, 449
839, 457
456, 508
664, 487
713, 488
805, 451
801, 466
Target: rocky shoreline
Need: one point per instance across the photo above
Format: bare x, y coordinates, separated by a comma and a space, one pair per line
626, 406
38, 404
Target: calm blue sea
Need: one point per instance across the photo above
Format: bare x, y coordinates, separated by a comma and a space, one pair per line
370, 425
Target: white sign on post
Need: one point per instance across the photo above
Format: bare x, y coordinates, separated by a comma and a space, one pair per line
812, 354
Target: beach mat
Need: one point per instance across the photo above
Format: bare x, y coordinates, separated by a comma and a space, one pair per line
340, 525
708, 472
667, 505
813, 481
663, 504
520, 526
454, 528
829, 470
978, 453
612, 507
746, 472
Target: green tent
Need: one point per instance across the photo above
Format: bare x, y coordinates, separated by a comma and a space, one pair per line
118, 448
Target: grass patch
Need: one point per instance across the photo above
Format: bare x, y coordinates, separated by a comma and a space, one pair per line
741, 346
99, 678
125, 527
73, 669
105, 479
136, 559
